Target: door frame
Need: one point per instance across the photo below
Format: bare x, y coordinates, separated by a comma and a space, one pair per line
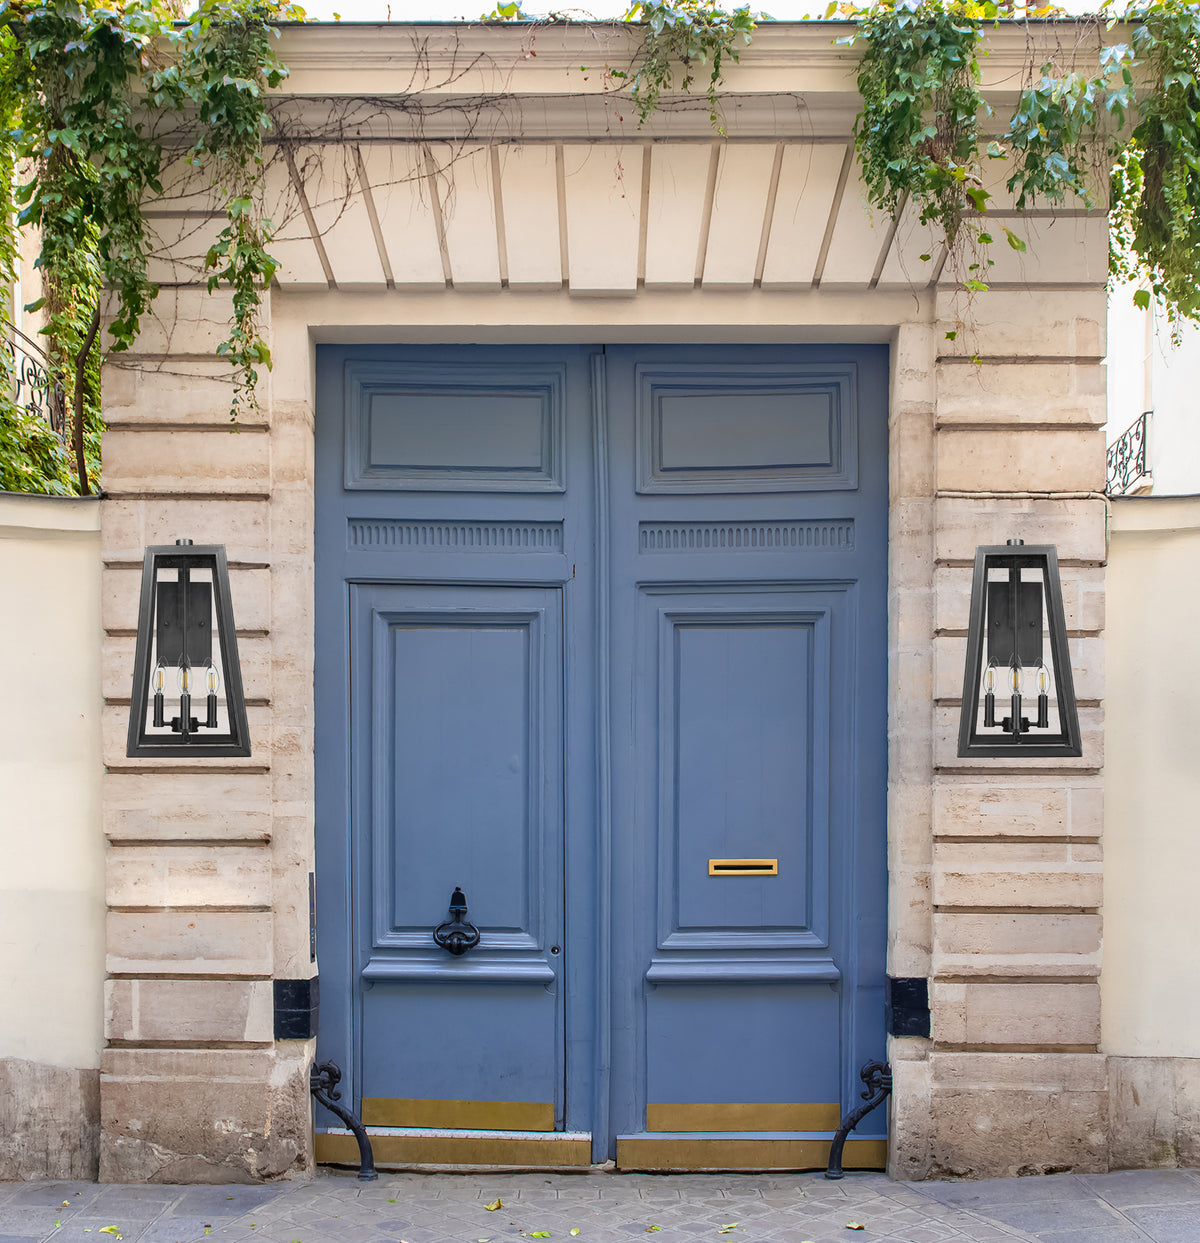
590, 927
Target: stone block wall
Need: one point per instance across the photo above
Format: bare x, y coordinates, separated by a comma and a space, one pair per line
194, 1086
1001, 909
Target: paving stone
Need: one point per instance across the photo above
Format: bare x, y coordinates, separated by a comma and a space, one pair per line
1149, 1187
51, 1194
26, 1222
1112, 1234
1057, 1215
223, 1201
997, 1191
1168, 1224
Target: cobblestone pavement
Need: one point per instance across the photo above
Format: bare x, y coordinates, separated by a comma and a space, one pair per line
1158, 1205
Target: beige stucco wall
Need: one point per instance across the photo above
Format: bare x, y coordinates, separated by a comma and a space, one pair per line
1150, 1007
52, 900
1152, 780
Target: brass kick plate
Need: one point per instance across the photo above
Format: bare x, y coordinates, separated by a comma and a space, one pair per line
743, 867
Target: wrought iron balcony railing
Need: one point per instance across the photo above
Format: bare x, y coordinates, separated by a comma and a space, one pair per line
1127, 458
35, 388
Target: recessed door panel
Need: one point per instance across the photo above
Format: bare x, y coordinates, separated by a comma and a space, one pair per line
738, 678
742, 1042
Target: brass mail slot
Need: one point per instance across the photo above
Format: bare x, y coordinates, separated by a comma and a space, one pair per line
743, 867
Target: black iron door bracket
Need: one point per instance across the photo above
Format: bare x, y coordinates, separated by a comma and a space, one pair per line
322, 1083
877, 1078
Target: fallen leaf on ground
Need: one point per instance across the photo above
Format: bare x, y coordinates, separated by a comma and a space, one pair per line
540, 1234
574, 1229
66, 1204
855, 1225
729, 1228
495, 1204
652, 1229
114, 1230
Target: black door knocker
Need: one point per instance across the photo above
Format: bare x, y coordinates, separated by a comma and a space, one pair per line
457, 935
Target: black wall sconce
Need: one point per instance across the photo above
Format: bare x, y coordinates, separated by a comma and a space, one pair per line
187, 682
1018, 694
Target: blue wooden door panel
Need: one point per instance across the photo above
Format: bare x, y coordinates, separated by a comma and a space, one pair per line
455, 740
730, 1042
748, 583
470, 1041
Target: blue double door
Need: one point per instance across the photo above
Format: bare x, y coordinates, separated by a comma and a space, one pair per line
601, 645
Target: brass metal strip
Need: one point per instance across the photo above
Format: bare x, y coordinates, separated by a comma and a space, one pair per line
744, 1116
455, 1150
746, 1154
459, 1115
743, 867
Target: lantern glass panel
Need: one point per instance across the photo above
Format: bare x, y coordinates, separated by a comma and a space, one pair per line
186, 656
1018, 655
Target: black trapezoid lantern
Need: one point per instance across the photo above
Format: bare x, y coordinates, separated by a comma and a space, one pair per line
1018, 694
187, 682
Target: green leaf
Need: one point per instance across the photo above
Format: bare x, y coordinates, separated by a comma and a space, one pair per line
978, 197
495, 1204
1014, 241
539, 1234
1141, 298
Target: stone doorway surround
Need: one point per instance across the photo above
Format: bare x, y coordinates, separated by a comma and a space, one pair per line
437, 230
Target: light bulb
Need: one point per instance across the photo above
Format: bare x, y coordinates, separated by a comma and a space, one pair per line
211, 679
160, 678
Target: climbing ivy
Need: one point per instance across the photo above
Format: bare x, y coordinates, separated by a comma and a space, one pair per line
1125, 136
86, 91
681, 38
1155, 214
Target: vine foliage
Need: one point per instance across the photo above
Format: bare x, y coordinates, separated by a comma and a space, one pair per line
681, 39
1124, 135
88, 98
